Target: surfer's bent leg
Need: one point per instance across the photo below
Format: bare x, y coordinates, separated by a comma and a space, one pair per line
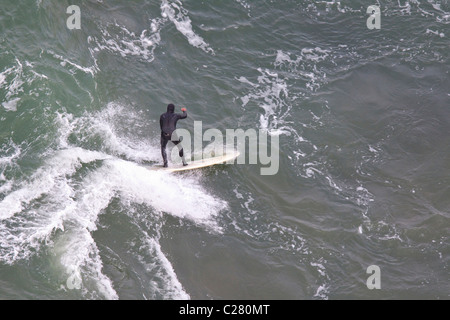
181, 152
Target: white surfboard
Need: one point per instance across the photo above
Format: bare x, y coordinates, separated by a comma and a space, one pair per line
198, 163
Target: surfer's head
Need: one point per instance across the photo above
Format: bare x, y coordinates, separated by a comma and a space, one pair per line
171, 108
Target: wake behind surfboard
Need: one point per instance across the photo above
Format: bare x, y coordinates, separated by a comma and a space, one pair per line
198, 163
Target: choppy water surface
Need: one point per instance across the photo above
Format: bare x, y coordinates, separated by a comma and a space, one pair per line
362, 118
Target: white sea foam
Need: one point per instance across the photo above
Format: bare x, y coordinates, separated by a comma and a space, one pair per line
440, 34
12, 79
9, 154
322, 292
270, 92
244, 3
174, 11
306, 65
16, 80
11, 105
111, 125
118, 39
427, 8
64, 62
169, 287
2, 78
38, 207
159, 190
79, 256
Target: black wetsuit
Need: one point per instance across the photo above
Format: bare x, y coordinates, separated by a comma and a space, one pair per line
168, 123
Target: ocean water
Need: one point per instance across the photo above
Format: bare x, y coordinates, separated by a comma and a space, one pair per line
363, 122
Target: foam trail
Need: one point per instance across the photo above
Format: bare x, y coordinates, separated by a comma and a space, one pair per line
170, 287
80, 257
58, 207
177, 14
64, 62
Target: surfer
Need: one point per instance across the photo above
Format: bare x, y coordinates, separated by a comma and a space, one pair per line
168, 123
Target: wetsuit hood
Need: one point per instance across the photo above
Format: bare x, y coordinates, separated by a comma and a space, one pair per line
171, 108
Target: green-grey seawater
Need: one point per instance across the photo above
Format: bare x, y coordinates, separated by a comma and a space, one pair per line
362, 116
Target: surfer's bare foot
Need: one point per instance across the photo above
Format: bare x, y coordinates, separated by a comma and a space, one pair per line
185, 164
165, 165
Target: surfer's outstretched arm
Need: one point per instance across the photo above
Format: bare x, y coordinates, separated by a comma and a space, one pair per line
183, 115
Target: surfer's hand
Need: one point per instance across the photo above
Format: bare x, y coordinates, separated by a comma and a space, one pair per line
183, 109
